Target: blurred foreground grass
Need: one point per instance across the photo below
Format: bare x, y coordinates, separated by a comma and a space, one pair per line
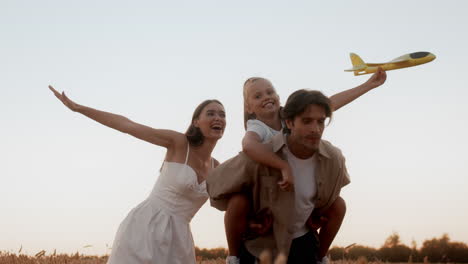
42, 258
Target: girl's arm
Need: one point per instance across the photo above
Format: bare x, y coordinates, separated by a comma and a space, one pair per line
261, 153
341, 99
160, 137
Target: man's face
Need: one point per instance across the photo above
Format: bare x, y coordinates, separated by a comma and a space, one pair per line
306, 130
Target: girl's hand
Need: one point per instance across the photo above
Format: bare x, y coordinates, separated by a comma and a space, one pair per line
287, 182
65, 100
377, 79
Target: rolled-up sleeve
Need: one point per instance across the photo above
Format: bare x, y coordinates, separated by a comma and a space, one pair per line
345, 179
334, 175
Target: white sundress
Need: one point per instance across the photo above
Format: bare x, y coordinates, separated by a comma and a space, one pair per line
157, 230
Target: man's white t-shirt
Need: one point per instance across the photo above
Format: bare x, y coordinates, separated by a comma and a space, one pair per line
305, 189
304, 177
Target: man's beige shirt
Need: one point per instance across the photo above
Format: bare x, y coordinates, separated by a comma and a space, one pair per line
240, 174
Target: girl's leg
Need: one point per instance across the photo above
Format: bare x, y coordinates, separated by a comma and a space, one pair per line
235, 222
335, 215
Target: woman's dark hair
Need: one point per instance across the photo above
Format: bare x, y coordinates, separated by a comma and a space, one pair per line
194, 135
298, 102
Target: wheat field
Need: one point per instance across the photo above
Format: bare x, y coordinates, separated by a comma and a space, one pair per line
42, 258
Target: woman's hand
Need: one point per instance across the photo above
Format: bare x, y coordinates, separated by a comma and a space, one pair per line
65, 100
161, 137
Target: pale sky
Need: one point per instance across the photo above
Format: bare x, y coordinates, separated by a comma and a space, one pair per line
68, 182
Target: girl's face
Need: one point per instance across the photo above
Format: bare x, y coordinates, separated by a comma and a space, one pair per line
212, 121
262, 98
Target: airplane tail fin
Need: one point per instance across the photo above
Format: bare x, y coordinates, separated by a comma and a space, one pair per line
358, 63
356, 60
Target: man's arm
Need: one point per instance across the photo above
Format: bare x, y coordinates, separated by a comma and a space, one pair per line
343, 98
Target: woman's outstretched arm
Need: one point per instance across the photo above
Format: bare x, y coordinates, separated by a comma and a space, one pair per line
343, 98
160, 137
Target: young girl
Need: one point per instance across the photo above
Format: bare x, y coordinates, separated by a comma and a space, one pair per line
157, 230
262, 121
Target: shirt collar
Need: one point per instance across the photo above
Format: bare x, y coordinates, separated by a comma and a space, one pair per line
279, 141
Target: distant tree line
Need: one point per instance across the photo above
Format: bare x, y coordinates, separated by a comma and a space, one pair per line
436, 250
440, 250
212, 253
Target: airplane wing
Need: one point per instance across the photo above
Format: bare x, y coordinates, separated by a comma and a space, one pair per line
357, 68
401, 59
396, 60
375, 64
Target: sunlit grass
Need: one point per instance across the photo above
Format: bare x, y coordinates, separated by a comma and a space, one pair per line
42, 257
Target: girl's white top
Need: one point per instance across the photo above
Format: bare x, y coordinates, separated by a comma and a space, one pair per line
265, 132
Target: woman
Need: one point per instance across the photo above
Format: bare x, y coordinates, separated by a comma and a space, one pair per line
157, 230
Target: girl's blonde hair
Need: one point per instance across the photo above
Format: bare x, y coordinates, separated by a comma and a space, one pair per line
247, 84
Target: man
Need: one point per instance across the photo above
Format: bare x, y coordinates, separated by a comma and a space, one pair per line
319, 172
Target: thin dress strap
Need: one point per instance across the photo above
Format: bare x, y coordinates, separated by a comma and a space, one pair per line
186, 156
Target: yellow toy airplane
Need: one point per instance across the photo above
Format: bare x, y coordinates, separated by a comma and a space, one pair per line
408, 60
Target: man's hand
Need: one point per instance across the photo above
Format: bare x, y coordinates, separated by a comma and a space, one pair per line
377, 79
262, 222
314, 222
257, 228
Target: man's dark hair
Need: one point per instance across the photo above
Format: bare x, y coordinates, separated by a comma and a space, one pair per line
298, 102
